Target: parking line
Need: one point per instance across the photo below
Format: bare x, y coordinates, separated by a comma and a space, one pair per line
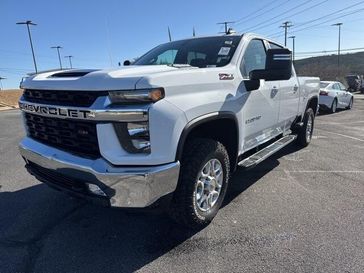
351, 137
322, 171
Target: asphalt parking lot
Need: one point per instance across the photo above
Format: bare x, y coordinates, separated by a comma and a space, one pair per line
299, 211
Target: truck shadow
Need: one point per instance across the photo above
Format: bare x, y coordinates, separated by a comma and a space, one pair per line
75, 236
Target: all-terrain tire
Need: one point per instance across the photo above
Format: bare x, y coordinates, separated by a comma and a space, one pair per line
304, 134
184, 209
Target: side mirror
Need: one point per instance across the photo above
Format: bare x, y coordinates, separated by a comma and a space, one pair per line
278, 66
127, 62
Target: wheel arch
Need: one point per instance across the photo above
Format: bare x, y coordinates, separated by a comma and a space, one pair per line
313, 103
221, 123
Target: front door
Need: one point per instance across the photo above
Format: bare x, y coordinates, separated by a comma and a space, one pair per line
261, 107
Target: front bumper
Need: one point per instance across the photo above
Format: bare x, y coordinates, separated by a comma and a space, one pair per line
123, 186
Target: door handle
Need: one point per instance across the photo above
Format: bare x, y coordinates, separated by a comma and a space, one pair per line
295, 88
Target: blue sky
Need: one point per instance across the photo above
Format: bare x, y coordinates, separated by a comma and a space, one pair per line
101, 33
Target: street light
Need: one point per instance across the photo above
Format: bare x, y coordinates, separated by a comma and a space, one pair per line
338, 49
59, 55
69, 58
30, 39
1, 84
293, 45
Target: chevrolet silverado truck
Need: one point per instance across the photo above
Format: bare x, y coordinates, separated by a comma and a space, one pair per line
175, 123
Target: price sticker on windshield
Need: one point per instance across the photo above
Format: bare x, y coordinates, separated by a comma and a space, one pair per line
224, 51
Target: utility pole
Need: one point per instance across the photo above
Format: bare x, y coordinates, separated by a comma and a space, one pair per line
193, 32
59, 55
69, 58
169, 35
28, 22
339, 48
226, 24
1, 84
293, 46
286, 25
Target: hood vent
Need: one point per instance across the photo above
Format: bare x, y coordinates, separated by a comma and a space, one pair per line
72, 73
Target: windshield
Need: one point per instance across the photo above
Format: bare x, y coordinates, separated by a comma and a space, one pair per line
201, 52
323, 84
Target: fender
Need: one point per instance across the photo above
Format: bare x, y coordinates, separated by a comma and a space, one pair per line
204, 119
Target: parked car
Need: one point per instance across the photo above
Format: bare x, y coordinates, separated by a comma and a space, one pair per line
174, 124
355, 82
334, 95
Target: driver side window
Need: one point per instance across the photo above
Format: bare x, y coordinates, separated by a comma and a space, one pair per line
254, 57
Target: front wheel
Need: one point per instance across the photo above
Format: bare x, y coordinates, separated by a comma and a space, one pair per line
304, 135
350, 106
204, 176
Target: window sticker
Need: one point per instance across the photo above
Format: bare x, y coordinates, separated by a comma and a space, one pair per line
224, 51
228, 42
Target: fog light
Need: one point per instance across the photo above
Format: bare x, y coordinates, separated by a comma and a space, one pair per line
95, 189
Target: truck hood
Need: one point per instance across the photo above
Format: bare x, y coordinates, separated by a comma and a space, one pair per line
97, 80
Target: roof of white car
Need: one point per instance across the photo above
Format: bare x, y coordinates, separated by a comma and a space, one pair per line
328, 82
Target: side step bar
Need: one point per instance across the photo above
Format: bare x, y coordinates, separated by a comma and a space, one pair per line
263, 154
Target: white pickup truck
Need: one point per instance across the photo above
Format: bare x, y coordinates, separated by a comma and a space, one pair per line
175, 124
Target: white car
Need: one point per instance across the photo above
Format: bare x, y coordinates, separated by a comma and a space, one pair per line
334, 95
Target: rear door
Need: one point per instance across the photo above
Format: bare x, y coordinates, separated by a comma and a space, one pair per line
289, 94
260, 110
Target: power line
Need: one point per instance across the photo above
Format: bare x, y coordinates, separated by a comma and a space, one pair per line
266, 23
323, 17
329, 51
239, 22
327, 21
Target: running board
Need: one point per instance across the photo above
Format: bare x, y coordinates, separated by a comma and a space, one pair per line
263, 154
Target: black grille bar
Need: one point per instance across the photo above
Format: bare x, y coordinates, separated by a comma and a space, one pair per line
77, 137
63, 98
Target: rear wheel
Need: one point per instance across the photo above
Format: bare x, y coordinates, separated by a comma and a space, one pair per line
202, 184
333, 106
304, 135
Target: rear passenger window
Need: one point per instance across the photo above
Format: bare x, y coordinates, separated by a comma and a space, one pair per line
254, 57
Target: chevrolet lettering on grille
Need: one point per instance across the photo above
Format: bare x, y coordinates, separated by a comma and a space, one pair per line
54, 111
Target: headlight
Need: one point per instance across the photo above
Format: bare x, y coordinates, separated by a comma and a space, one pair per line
133, 136
142, 95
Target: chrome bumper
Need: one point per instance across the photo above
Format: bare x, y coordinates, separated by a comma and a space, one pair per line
124, 186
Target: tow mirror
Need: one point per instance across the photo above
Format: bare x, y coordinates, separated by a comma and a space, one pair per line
278, 66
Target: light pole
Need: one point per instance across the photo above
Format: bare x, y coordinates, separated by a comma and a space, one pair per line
338, 49
1, 84
69, 58
59, 55
28, 22
293, 46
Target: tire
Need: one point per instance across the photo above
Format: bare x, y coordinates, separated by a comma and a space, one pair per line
350, 106
304, 134
187, 207
333, 106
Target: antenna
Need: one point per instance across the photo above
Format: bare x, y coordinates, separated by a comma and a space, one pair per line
169, 35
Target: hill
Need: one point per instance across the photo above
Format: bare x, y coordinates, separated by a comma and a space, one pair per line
325, 67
